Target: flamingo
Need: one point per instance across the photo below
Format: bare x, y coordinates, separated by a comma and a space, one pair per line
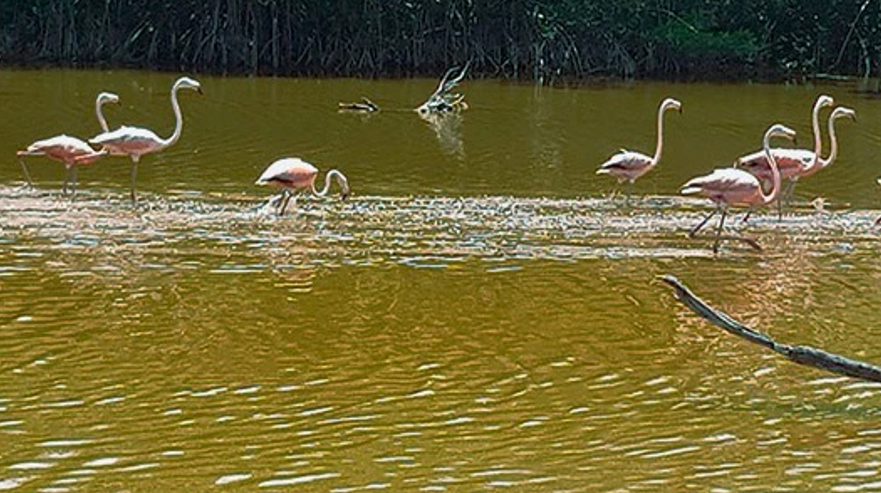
135, 141
630, 165
732, 186
791, 162
292, 174
821, 163
66, 149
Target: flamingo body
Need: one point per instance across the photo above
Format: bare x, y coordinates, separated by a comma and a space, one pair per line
627, 165
791, 162
727, 185
292, 173
63, 148
129, 141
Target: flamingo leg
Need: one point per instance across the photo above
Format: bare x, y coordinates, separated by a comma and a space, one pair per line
790, 193
703, 223
73, 179
134, 193
27, 175
719, 230
784, 197
286, 199
630, 188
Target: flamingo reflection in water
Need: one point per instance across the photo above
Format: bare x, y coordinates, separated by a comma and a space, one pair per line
294, 174
732, 186
68, 150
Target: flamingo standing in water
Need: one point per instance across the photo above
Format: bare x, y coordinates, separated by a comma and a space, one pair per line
630, 165
791, 162
135, 142
69, 150
292, 174
821, 163
731, 186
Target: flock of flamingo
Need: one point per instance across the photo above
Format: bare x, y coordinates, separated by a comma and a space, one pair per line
742, 185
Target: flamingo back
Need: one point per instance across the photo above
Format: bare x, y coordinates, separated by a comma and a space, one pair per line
289, 173
129, 140
626, 165
728, 185
791, 163
60, 148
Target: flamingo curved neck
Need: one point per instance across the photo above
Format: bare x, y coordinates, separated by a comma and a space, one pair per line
833, 146
660, 145
818, 137
99, 104
327, 177
178, 120
775, 173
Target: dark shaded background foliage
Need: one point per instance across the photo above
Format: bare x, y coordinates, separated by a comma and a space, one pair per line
526, 39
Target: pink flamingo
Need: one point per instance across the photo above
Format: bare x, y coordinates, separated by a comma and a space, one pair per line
731, 186
292, 174
135, 142
791, 162
821, 163
69, 150
629, 165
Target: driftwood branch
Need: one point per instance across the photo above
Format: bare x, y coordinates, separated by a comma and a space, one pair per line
803, 355
365, 106
443, 100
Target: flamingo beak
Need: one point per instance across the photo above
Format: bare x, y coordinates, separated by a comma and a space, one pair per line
344, 195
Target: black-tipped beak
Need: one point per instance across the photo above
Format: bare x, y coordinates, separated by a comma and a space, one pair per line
344, 196
199, 90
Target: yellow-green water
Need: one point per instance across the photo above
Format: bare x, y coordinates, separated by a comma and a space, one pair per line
478, 316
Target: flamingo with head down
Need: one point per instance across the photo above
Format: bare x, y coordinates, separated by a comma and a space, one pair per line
731, 186
68, 150
293, 174
630, 165
135, 141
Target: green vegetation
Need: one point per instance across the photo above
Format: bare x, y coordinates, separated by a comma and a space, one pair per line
526, 39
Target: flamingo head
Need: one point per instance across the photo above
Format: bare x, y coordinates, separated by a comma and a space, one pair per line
672, 104
188, 83
844, 111
823, 100
108, 97
346, 191
779, 130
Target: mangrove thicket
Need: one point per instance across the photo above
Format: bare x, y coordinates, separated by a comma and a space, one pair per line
545, 40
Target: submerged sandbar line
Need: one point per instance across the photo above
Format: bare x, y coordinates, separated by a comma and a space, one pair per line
400, 229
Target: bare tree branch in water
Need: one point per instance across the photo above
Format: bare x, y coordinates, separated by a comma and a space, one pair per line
442, 100
803, 355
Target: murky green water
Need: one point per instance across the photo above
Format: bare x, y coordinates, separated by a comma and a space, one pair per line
477, 317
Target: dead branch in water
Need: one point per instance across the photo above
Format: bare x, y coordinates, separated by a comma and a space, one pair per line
803, 355
365, 106
442, 100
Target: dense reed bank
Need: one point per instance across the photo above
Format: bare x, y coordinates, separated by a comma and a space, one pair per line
542, 40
